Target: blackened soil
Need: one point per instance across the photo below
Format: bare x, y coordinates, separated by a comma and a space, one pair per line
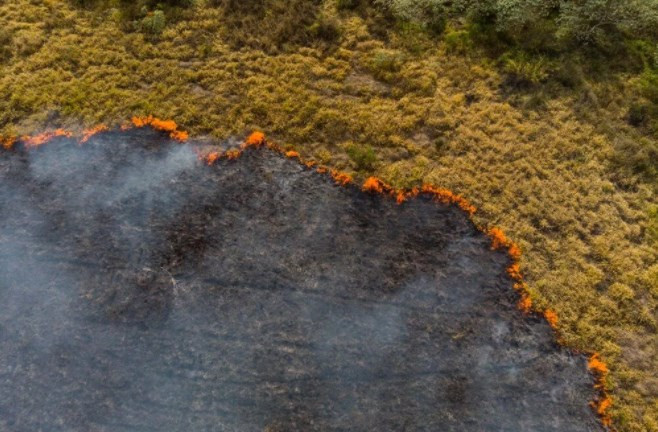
143, 291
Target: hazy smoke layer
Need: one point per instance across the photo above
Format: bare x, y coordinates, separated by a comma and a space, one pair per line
142, 291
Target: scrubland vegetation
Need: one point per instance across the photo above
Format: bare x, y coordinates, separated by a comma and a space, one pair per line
543, 113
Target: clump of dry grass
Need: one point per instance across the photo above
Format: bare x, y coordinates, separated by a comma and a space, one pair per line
547, 176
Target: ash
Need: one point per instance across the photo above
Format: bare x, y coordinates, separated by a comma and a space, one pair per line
143, 291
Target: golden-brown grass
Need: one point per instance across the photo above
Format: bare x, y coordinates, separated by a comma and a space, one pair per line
544, 175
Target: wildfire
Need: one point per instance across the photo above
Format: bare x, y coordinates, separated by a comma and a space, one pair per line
373, 184
169, 126
88, 133
446, 196
514, 271
604, 403
596, 365
498, 238
551, 317
256, 139
292, 154
525, 304
212, 158
43, 138
8, 142
341, 178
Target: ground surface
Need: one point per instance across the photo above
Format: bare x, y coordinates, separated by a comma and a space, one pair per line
545, 170
142, 290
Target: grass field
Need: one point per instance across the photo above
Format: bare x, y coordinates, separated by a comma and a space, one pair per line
562, 172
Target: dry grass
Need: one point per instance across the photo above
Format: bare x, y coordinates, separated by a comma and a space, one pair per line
544, 175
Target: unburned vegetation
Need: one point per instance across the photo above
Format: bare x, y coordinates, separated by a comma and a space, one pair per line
552, 136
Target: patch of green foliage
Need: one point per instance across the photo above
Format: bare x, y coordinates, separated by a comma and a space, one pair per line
363, 156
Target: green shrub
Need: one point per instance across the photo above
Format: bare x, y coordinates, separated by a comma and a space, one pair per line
385, 64
430, 14
363, 156
458, 41
154, 22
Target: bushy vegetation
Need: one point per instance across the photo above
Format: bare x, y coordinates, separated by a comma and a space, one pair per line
530, 21
549, 133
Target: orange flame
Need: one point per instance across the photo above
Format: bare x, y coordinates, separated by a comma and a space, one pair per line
551, 317
498, 238
162, 125
604, 403
596, 365
341, 178
212, 158
292, 154
43, 138
514, 251
514, 271
448, 197
8, 142
88, 133
525, 304
373, 184
256, 139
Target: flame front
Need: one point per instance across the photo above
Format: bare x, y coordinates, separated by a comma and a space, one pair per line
88, 133
604, 403
43, 138
169, 126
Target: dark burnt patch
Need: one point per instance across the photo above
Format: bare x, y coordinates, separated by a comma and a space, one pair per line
144, 290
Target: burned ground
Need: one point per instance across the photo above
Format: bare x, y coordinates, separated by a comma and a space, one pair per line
143, 290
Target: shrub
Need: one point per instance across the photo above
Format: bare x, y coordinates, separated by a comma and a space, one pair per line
385, 64
363, 156
458, 41
431, 14
154, 22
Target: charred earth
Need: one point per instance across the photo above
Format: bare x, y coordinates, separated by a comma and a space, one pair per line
143, 290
